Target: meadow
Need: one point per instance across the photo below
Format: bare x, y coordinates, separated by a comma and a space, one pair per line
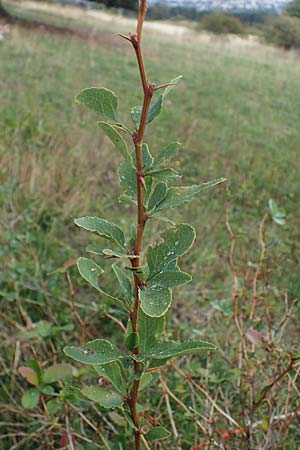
236, 113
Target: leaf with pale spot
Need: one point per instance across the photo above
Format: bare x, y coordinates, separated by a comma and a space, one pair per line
171, 279
155, 301
99, 351
112, 372
106, 398
177, 241
90, 271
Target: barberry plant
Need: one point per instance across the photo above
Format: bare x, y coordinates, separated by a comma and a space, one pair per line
145, 295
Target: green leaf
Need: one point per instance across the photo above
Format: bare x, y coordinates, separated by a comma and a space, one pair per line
127, 177
43, 328
116, 254
99, 351
116, 139
47, 389
147, 158
30, 398
132, 341
166, 153
155, 301
171, 278
127, 170
277, 215
29, 374
173, 349
177, 196
92, 248
101, 100
157, 434
106, 398
156, 106
124, 282
57, 372
157, 196
127, 414
177, 241
112, 372
135, 113
33, 364
54, 406
169, 175
104, 228
90, 271
150, 330
145, 381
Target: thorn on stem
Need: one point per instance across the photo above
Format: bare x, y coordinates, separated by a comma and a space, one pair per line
135, 137
141, 176
162, 86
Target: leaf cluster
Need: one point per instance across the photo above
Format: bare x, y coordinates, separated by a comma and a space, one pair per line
153, 278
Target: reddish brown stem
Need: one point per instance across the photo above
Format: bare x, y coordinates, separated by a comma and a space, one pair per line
138, 138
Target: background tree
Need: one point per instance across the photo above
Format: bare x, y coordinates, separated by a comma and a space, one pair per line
3, 11
125, 4
293, 8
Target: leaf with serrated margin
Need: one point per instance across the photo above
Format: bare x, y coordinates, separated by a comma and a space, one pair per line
99, 351
172, 349
156, 106
177, 196
112, 372
124, 282
177, 241
90, 271
150, 330
106, 398
116, 139
171, 279
155, 301
101, 100
104, 228
169, 175
166, 153
157, 195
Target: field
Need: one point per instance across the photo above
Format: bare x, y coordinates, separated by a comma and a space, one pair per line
237, 114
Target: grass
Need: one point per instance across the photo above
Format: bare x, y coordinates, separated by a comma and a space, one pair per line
236, 113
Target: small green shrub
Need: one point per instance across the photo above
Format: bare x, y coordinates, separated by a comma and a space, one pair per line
220, 23
283, 31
